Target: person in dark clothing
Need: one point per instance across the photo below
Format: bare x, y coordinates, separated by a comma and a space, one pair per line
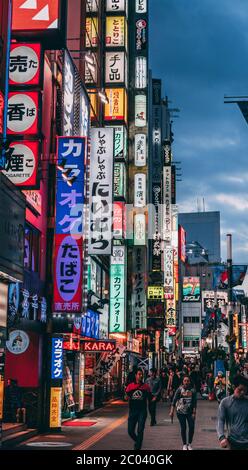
154, 383
164, 378
185, 402
173, 384
139, 394
131, 375
12, 399
233, 411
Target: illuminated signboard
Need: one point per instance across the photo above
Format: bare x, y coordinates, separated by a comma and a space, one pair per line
115, 71
68, 95
117, 290
139, 229
119, 180
101, 190
139, 283
156, 251
118, 219
90, 325
98, 346
92, 5
67, 295
141, 72
141, 35
182, 243
91, 33
168, 273
167, 205
57, 358
171, 316
55, 407
116, 5
140, 110
115, 31
120, 143
115, 109
155, 293
191, 289
141, 6
25, 64
140, 150
35, 14
139, 190
23, 108
23, 166
1, 112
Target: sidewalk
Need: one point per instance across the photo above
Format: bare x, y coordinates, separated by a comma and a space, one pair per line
109, 431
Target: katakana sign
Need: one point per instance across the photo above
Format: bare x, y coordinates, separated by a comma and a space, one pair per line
57, 358
117, 291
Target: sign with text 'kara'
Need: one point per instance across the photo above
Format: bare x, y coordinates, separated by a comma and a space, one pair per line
98, 346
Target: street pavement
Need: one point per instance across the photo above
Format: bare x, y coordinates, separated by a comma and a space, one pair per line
109, 431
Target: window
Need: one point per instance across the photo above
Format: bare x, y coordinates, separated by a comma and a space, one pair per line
32, 249
191, 319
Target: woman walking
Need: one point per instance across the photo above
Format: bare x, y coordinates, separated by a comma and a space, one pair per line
185, 401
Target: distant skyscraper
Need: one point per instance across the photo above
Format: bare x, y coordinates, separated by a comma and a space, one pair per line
203, 228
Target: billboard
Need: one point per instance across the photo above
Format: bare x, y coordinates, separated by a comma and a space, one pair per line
191, 289
115, 31
23, 112
117, 290
101, 190
139, 284
182, 243
22, 168
220, 276
25, 64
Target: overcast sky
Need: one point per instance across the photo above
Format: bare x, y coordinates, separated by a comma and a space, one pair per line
200, 50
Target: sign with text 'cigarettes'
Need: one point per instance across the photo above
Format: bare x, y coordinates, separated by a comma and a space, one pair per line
22, 167
101, 191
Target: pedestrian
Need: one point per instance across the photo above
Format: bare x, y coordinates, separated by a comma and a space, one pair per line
154, 383
131, 375
185, 402
173, 384
164, 378
245, 370
13, 401
220, 386
139, 394
233, 411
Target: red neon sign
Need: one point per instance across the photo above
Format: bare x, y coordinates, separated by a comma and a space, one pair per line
25, 67
98, 346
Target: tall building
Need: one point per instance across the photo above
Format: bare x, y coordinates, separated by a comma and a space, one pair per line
203, 228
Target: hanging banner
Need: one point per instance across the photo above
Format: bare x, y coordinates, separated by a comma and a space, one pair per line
140, 110
139, 190
115, 31
141, 6
117, 290
23, 108
139, 284
168, 273
115, 109
70, 190
107, 362
68, 95
22, 168
140, 72
55, 407
116, 5
115, 68
167, 204
101, 191
25, 64
140, 150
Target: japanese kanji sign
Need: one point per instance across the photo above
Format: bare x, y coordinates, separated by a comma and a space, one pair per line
171, 316
141, 6
24, 64
140, 150
115, 5
67, 274
139, 190
101, 191
55, 407
168, 273
115, 69
35, 14
115, 109
57, 358
70, 198
117, 290
167, 223
23, 165
23, 109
